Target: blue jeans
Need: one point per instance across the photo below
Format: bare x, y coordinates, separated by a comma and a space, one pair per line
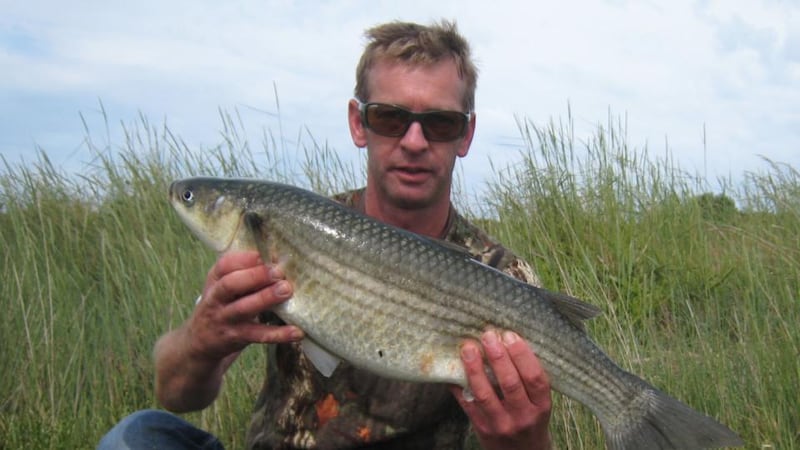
154, 429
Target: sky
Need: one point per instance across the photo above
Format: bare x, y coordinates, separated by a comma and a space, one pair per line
713, 85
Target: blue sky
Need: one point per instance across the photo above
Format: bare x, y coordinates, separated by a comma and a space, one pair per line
671, 69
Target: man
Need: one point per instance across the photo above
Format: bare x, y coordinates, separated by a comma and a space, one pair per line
415, 95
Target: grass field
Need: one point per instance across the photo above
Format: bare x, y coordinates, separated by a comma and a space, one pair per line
699, 290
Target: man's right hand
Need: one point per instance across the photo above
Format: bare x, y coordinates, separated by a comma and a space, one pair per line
238, 288
191, 360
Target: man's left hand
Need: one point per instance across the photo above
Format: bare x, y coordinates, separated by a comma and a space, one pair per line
519, 417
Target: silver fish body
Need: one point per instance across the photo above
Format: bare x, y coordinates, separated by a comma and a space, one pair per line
399, 304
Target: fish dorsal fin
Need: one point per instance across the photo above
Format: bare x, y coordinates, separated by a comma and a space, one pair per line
323, 360
575, 310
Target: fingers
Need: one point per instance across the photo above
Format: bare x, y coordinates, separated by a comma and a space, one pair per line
265, 334
238, 288
506, 372
479, 382
233, 261
532, 375
247, 308
481, 396
516, 371
237, 274
518, 409
246, 285
513, 397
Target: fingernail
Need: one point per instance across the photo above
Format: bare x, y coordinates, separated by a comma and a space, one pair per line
282, 288
491, 344
296, 334
469, 353
490, 338
276, 273
509, 337
467, 394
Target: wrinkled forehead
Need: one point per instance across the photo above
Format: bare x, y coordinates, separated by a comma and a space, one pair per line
401, 82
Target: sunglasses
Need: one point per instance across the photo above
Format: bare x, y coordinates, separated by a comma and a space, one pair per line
394, 121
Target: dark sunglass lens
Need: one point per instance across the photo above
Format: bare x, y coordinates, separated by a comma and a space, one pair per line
388, 120
393, 121
443, 125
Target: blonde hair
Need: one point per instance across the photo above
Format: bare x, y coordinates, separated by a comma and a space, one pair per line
414, 44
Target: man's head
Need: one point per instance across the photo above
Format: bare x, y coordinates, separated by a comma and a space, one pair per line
414, 44
415, 95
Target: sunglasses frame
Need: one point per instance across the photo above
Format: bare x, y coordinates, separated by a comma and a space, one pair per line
413, 117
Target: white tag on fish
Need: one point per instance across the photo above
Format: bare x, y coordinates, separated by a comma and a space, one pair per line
323, 360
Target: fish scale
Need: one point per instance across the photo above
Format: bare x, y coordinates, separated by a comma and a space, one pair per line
384, 287
350, 313
399, 305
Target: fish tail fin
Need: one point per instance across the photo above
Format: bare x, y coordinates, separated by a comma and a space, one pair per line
658, 421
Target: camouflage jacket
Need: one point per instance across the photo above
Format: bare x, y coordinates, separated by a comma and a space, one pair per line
299, 408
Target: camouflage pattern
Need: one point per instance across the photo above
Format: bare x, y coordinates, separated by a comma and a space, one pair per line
298, 408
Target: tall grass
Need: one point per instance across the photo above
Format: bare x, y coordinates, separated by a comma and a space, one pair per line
699, 290
699, 295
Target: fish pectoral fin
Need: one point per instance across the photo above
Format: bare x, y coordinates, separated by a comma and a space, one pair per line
258, 233
576, 311
322, 359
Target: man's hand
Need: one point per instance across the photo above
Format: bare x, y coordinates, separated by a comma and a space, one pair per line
191, 360
520, 416
238, 288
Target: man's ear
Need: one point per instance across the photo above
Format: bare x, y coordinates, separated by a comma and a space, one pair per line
467, 140
357, 130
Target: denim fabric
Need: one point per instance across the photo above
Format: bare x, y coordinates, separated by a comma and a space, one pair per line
154, 429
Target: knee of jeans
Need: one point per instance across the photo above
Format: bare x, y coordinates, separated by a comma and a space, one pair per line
149, 418
141, 423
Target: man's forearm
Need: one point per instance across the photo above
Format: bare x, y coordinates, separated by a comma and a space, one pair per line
184, 381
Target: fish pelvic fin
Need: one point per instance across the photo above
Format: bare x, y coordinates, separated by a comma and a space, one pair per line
656, 421
323, 360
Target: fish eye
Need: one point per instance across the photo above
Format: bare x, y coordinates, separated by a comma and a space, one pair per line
188, 196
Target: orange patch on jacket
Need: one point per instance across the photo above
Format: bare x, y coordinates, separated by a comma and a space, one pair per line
327, 409
364, 433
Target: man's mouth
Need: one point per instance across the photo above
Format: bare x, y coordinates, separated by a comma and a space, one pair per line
412, 174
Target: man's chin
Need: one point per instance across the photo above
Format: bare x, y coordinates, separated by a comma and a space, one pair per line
411, 197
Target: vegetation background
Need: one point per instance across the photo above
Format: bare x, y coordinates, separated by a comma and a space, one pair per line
699, 286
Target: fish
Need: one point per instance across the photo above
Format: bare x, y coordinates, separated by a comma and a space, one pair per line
400, 305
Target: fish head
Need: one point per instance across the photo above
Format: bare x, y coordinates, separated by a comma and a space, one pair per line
212, 208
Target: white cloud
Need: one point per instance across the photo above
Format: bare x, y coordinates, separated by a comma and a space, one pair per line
669, 68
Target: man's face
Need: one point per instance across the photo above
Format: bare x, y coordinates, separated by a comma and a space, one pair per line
410, 171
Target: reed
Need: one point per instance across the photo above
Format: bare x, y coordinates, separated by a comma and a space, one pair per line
700, 291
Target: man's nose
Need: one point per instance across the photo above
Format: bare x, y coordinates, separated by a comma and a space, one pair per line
414, 139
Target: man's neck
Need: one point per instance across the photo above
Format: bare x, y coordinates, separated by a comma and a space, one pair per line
430, 221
